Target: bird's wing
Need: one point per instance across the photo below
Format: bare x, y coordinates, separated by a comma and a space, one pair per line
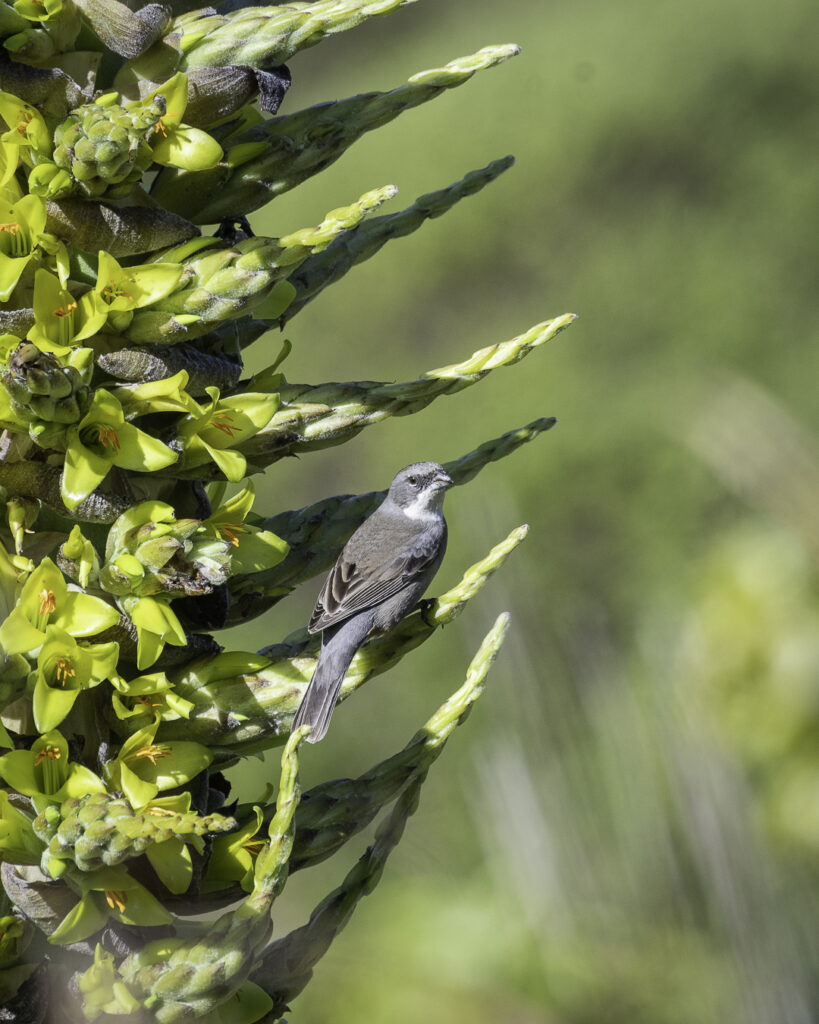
347, 591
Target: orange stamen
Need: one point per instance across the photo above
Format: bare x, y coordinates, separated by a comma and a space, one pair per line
148, 703
231, 532
23, 121
11, 228
51, 753
108, 438
65, 670
221, 420
114, 291
116, 899
48, 602
65, 310
152, 753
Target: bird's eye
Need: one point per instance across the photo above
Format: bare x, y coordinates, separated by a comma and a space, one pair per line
413, 480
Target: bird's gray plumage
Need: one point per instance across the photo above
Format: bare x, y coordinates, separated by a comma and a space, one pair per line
378, 578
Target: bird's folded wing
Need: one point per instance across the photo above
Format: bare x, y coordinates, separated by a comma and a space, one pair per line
348, 591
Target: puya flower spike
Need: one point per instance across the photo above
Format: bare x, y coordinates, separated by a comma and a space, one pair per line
128, 428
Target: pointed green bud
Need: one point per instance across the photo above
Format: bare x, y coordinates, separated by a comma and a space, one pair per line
287, 964
222, 283
311, 418
365, 240
278, 154
258, 36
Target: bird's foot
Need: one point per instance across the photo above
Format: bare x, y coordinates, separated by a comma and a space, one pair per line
425, 607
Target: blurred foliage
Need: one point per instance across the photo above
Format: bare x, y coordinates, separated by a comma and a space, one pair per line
644, 791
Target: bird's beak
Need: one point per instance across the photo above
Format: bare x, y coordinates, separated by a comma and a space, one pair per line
444, 480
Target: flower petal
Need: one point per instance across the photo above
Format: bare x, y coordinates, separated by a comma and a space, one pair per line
139, 451
17, 635
85, 918
172, 862
188, 148
258, 551
85, 615
51, 705
84, 470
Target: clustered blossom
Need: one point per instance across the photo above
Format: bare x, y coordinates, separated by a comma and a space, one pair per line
131, 530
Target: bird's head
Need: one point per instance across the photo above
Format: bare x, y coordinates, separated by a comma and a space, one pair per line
420, 488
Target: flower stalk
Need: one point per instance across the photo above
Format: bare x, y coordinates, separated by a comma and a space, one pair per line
133, 145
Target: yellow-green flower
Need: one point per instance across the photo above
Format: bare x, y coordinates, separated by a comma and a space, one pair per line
102, 439
148, 695
253, 549
103, 989
233, 857
215, 428
57, 325
38, 10
120, 290
143, 768
18, 843
107, 893
26, 127
64, 668
82, 553
173, 142
156, 625
45, 774
44, 601
21, 222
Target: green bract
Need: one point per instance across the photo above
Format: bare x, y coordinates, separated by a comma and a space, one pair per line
130, 434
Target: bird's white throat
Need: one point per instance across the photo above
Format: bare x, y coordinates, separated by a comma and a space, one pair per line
426, 505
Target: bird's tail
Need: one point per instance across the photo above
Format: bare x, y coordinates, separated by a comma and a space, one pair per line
337, 651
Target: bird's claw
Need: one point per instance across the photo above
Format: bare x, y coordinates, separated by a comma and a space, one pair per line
425, 606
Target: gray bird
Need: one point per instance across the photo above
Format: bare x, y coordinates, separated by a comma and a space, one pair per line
378, 578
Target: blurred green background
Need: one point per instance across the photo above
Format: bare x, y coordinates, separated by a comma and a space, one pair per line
627, 827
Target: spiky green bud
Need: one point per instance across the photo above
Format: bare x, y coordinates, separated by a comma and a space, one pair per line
276, 155
43, 389
100, 830
101, 145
